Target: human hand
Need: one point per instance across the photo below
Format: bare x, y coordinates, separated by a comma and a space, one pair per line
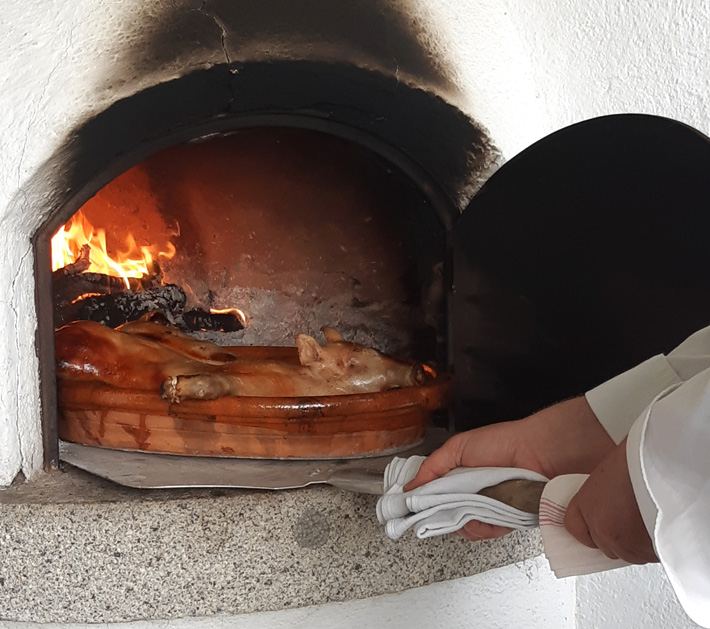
605, 515
561, 439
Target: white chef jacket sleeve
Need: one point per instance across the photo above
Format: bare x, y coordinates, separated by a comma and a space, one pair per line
668, 454
620, 401
664, 406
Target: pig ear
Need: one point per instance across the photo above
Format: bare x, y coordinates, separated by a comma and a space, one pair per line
309, 351
332, 335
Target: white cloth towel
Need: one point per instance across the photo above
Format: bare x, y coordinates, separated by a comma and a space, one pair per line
446, 504
566, 555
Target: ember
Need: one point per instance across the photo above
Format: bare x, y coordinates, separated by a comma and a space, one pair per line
236, 312
228, 320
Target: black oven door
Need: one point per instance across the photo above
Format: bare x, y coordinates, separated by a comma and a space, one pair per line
580, 257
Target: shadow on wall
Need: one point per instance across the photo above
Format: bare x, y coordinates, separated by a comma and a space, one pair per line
378, 34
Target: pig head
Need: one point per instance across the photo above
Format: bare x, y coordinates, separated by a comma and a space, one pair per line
352, 367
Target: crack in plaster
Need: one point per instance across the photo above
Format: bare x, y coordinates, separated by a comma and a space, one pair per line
202, 9
222, 27
16, 318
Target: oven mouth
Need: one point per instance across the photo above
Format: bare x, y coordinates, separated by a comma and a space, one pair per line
390, 404
370, 109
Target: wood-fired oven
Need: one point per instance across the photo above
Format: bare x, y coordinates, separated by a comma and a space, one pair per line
344, 213
323, 195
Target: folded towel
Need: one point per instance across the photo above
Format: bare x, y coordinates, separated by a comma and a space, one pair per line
566, 555
446, 504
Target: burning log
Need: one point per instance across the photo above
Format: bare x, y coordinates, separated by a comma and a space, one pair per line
81, 264
72, 287
81, 294
114, 309
202, 320
68, 288
107, 300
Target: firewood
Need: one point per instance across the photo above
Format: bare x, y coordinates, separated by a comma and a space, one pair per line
114, 309
198, 319
79, 294
76, 275
81, 264
68, 288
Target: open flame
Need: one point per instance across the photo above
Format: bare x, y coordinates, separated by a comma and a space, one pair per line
134, 261
237, 312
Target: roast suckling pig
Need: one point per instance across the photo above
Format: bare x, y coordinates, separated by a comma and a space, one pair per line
153, 357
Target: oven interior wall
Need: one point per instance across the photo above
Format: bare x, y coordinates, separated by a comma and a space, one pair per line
298, 229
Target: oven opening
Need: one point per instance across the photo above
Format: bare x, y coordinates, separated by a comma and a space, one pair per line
252, 242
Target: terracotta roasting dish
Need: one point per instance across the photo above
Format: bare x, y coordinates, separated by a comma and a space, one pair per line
337, 426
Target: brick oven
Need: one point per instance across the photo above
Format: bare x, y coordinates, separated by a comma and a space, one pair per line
316, 200
295, 228
344, 104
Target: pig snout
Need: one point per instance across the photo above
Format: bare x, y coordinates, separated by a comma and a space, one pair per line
408, 376
417, 375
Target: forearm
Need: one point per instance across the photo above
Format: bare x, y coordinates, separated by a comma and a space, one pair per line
580, 441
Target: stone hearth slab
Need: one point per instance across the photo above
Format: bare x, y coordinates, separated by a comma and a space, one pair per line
76, 548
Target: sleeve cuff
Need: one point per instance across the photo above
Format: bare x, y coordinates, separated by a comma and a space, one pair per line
645, 502
620, 401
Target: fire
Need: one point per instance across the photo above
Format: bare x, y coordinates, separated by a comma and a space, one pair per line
237, 312
429, 371
133, 261
83, 296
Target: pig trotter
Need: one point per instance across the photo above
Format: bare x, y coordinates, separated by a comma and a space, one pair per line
169, 390
198, 387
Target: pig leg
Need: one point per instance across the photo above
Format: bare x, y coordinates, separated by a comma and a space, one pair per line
199, 387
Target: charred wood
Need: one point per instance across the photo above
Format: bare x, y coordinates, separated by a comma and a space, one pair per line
69, 288
82, 295
114, 309
81, 264
201, 320
72, 285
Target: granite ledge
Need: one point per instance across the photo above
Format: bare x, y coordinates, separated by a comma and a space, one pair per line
76, 548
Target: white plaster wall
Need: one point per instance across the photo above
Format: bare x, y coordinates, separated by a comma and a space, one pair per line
637, 597
525, 595
528, 68
523, 69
